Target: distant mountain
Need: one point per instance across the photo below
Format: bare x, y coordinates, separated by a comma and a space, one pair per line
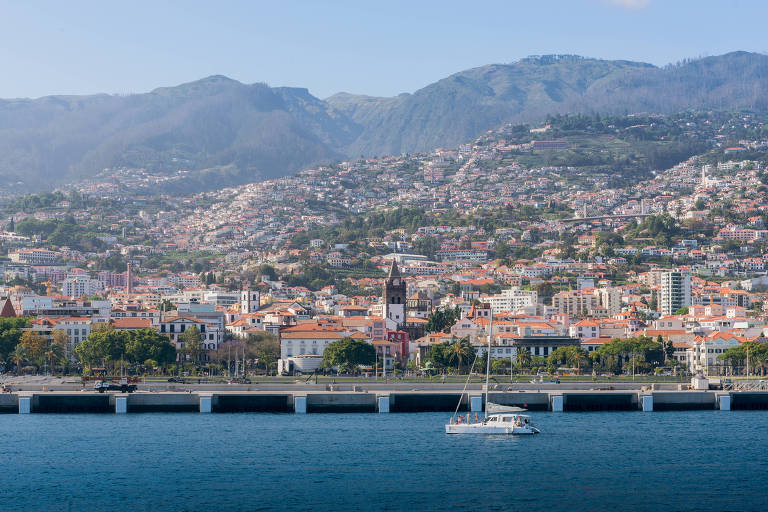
455, 109
254, 131
240, 133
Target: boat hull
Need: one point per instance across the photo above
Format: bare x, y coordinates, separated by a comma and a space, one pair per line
479, 428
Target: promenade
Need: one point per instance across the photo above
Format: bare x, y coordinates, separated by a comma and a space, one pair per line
373, 397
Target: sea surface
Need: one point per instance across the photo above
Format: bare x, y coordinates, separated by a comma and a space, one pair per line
703, 461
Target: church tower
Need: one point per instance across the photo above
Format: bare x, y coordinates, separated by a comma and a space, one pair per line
394, 296
249, 301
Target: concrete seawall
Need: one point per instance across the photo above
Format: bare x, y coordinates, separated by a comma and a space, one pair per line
367, 401
9, 403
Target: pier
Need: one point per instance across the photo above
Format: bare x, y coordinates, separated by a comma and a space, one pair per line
383, 400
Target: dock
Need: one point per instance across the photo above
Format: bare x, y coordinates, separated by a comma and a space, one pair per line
383, 399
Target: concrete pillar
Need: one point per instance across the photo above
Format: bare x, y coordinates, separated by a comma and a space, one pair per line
647, 403
725, 402
476, 403
206, 403
25, 404
300, 404
557, 403
383, 404
121, 404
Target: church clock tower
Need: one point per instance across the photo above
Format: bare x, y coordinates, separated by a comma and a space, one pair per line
394, 296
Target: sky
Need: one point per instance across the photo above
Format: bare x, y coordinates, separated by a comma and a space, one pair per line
359, 46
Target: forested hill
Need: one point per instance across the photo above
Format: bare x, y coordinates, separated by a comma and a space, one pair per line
242, 133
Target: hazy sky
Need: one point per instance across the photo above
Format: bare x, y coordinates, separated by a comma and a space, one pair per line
359, 46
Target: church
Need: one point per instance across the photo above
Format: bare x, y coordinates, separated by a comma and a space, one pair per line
402, 313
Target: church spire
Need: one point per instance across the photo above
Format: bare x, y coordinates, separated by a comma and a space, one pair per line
393, 270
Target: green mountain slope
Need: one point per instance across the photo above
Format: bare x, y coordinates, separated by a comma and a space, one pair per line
257, 132
262, 132
464, 105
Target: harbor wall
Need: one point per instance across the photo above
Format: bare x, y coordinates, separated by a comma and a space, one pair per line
163, 402
600, 401
9, 403
252, 402
72, 403
527, 400
341, 402
684, 401
367, 401
428, 402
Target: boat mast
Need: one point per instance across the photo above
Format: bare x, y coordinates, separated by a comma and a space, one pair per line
488, 363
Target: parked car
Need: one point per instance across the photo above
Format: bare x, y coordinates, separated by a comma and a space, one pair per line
122, 386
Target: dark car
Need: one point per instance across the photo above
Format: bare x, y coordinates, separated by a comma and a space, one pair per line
122, 387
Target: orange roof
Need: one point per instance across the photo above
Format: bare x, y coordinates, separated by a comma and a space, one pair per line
131, 323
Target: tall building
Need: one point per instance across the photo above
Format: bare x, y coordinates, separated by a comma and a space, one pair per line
128, 279
610, 299
675, 291
394, 295
512, 299
78, 286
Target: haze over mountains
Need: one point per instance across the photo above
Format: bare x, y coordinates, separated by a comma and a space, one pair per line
242, 133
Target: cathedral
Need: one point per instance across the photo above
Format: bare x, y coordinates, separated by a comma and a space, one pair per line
394, 296
408, 314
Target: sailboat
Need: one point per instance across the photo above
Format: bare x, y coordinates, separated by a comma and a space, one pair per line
506, 423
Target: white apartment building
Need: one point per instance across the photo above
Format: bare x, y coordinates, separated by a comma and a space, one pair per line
675, 291
33, 257
610, 299
512, 299
81, 285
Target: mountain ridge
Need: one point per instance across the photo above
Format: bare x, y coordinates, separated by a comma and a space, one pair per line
264, 132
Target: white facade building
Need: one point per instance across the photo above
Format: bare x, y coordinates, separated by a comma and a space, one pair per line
512, 299
81, 285
675, 291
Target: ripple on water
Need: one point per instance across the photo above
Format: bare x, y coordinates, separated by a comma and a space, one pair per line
589, 461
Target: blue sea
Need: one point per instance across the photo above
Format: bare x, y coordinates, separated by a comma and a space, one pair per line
709, 460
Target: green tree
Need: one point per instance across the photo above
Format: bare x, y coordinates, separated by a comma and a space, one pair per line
148, 344
442, 319
56, 350
523, 358
34, 346
10, 335
191, 344
94, 349
460, 353
265, 348
348, 353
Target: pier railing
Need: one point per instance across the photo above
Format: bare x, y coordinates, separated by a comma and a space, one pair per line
746, 385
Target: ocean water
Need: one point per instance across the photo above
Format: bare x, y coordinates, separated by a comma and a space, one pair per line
708, 460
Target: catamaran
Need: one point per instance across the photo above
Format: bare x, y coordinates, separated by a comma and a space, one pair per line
509, 422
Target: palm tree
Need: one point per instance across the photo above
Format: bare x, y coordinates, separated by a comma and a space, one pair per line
578, 355
461, 351
524, 357
54, 352
18, 357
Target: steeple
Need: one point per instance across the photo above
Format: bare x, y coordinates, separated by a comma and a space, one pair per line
393, 270
394, 296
